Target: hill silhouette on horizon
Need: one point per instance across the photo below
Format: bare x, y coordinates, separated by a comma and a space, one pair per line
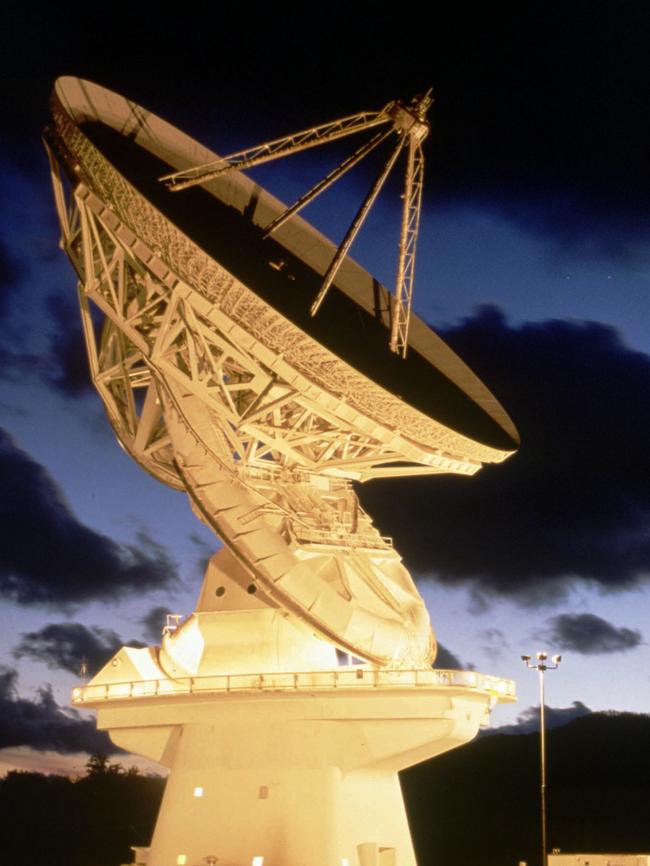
478, 804
481, 803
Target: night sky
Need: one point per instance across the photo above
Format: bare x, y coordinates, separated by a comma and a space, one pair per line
533, 263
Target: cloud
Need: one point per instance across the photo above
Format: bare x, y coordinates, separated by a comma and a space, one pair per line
49, 557
43, 725
561, 149
579, 224
64, 366
68, 645
14, 360
16, 365
154, 622
554, 717
571, 119
574, 503
10, 273
67, 366
589, 634
446, 660
205, 551
493, 642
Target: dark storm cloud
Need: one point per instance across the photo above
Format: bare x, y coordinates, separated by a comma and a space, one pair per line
16, 365
540, 111
68, 645
42, 724
545, 122
67, 366
49, 557
446, 660
14, 361
493, 642
555, 717
10, 272
573, 503
64, 367
154, 622
589, 634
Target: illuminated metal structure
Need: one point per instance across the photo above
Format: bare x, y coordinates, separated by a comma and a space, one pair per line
218, 381
408, 124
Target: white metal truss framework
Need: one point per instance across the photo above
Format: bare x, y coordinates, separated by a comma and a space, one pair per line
170, 257
409, 124
213, 390
216, 393
201, 412
152, 331
270, 150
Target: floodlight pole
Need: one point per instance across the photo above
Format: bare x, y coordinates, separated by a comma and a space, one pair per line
541, 667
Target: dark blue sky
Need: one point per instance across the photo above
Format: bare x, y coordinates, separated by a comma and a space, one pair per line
537, 211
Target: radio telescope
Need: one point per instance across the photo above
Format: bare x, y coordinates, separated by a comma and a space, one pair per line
198, 311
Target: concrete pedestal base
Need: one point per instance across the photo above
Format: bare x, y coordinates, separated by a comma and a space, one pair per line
297, 766
238, 800
299, 777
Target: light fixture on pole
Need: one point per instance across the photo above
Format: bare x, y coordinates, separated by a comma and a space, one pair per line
541, 666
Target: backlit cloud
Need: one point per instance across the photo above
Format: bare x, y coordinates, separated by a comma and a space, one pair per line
153, 622
66, 368
50, 557
10, 271
447, 660
591, 635
68, 645
568, 131
42, 724
555, 717
573, 504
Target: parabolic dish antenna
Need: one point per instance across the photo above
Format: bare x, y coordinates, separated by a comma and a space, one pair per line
218, 381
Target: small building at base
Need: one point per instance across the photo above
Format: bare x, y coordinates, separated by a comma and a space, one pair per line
599, 860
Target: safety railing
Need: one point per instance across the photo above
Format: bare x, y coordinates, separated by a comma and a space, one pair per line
344, 678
